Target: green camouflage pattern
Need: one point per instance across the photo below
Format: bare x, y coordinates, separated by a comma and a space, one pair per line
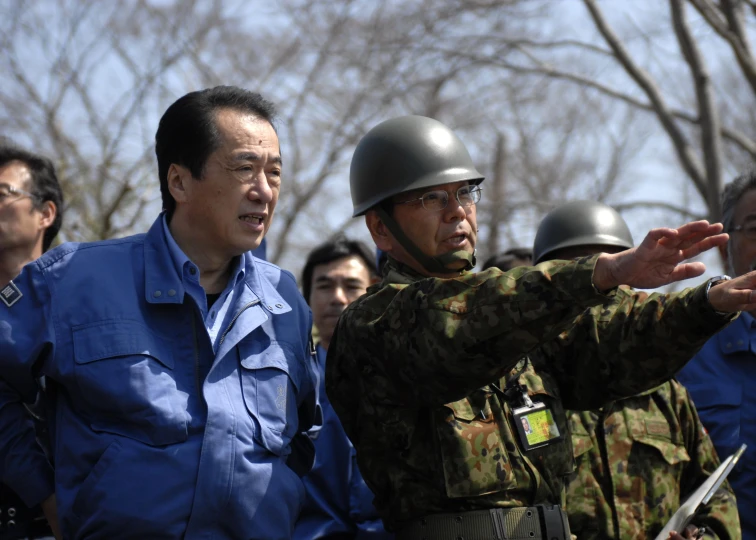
637, 459
414, 366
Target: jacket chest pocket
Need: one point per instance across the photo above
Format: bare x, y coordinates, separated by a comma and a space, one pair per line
269, 384
655, 443
126, 380
474, 458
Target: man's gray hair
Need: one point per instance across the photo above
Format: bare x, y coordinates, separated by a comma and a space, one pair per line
731, 195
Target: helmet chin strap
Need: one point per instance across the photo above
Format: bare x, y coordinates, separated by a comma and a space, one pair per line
433, 265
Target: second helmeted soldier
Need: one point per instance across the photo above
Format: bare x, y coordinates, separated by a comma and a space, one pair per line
640, 457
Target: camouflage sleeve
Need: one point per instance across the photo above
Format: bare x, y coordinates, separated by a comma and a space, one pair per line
720, 516
634, 342
434, 341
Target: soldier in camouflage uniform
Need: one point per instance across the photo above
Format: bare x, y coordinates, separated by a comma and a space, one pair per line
419, 369
637, 458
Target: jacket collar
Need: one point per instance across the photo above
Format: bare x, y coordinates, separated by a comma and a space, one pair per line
736, 337
396, 272
264, 286
163, 284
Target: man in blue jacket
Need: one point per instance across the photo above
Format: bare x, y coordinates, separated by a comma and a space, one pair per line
177, 366
339, 505
721, 377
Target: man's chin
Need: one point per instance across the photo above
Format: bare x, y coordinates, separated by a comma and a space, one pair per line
249, 244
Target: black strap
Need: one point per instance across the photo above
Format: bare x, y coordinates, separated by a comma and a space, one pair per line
434, 265
513, 390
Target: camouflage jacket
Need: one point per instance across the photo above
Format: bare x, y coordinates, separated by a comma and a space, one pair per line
637, 460
414, 364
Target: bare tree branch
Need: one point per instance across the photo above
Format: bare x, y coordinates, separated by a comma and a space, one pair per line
687, 157
711, 143
738, 138
729, 25
686, 213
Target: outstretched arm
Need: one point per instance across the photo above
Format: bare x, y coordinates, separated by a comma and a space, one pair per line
635, 341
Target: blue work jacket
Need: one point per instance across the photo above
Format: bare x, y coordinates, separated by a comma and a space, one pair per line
160, 428
338, 502
721, 380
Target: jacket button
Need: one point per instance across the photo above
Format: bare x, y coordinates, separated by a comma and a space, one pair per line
157, 294
171, 292
192, 270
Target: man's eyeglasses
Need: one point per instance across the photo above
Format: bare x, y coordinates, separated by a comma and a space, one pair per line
438, 200
748, 230
8, 192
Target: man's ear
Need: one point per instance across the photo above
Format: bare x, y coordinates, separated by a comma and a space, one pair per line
179, 179
48, 211
381, 236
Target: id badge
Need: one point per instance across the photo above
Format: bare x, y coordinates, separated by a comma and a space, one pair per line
536, 426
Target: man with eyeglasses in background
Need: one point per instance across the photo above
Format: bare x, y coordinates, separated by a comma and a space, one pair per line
721, 377
31, 213
426, 370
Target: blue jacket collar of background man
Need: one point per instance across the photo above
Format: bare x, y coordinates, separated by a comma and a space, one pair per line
736, 338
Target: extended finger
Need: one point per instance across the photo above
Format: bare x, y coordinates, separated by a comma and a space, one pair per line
745, 281
690, 233
698, 226
657, 237
691, 239
705, 245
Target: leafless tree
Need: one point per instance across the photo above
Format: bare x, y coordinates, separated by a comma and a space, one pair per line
706, 132
83, 79
87, 81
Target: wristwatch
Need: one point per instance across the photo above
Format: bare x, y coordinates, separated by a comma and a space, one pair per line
716, 280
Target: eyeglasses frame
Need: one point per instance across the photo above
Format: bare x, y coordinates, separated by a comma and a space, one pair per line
473, 189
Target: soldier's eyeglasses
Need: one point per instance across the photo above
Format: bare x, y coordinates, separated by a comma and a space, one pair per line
8, 192
438, 199
748, 230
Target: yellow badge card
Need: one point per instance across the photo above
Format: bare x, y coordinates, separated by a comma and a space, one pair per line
536, 426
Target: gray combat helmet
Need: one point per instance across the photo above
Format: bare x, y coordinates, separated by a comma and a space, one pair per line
580, 223
404, 154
